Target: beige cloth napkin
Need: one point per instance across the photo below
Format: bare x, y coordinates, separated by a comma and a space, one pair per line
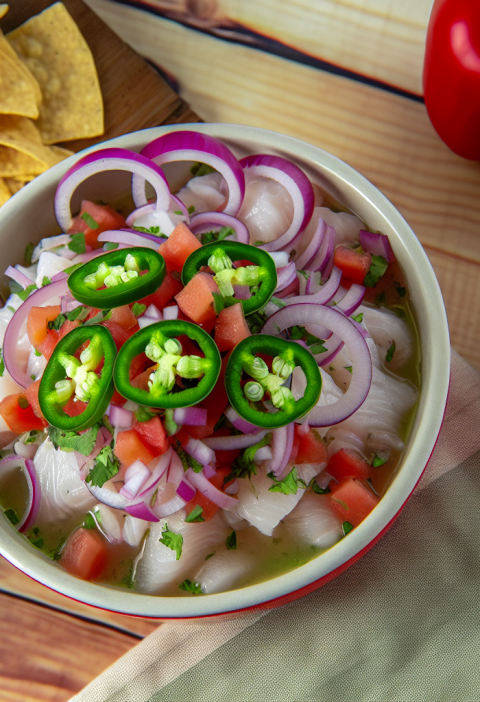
402, 624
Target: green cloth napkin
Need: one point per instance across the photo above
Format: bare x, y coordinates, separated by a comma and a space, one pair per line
402, 624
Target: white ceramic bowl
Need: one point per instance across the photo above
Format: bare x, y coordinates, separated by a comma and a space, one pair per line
29, 216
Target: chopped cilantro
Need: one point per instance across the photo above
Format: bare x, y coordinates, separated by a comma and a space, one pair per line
358, 317
29, 249
189, 586
101, 316
289, 485
209, 237
191, 209
77, 243
381, 299
347, 528
210, 555
200, 169
32, 376
187, 460
331, 368
106, 466
35, 538
25, 293
306, 274
12, 309
110, 246
138, 308
317, 489
377, 268
45, 281
89, 521
22, 402
79, 313
12, 516
37, 353
127, 580
179, 212
244, 466
390, 352
259, 242
314, 343
73, 441
378, 461
72, 268
143, 414
231, 541
2, 364
152, 230
256, 321
172, 540
89, 221
401, 291
348, 368
195, 515
31, 437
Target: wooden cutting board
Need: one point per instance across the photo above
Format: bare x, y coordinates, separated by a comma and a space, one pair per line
135, 95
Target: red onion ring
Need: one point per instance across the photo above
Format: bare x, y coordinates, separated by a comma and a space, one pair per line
313, 246
193, 146
191, 416
325, 253
282, 443
357, 348
325, 294
289, 290
142, 510
377, 244
18, 277
112, 159
200, 451
297, 185
175, 470
214, 221
285, 277
185, 490
167, 508
236, 441
333, 345
30, 514
130, 237
240, 423
352, 299
203, 485
36, 299
136, 476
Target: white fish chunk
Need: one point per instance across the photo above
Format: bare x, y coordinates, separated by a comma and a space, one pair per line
385, 327
314, 521
223, 571
204, 193
267, 209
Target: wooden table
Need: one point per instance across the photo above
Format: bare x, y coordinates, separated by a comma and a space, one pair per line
345, 77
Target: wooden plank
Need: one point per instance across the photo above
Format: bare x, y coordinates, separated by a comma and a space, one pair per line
382, 40
134, 94
49, 656
386, 137
14, 581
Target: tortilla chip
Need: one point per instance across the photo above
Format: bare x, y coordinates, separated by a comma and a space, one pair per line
16, 163
17, 96
3, 10
7, 49
14, 185
60, 152
5, 193
20, 133
56, 53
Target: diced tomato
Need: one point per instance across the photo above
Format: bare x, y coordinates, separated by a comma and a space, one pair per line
347, 463
103, 215
311, 448
196, 299
138, 365
209, 508
130, 447
20, 419
141, 380
215, 404
171, 286
354, 265
67, 327
390, 289
85, 554
124, 317
352, 500
153, 433
178, 247
118, 333
47, 346
37, 321
231, 327
118, 399
31, 394
74, 407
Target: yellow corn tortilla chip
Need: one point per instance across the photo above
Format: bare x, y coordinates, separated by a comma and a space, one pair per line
3, 10
58, 56
20, 133
16, 163
14, 185
7, 49
5, 193
17, 96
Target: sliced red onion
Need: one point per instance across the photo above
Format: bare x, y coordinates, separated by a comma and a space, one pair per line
18, 277
361, 362
153, 312
61, 275
352, 299
240, 423
263, 454
314, 284
325, 253
332, 346
191, 416
209, 471
193, 146
186, 491
200, 451
112, 159
282, 443
326, 293
313, 246
175, 470
108, 497
236, 441
203, 485
377, 244
214, 221
136, 476
157, 473
170, 312
167, 508
142, 510
290, 290
297, 185
83, 258
242, 292
234, 487
11, 463
36, 299
286, 276
120, 417
129, 237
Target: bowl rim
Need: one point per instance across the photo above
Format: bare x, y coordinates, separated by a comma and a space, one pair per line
429, 310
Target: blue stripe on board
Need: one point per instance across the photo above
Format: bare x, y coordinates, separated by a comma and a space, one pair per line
238, 34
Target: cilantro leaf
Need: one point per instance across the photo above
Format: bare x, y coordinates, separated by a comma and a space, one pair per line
57, 323
25, 293
2, 364
31, 436
231, 541
349, 368
306, 274
12, 516
138, 308
390, 352
347, 528
191, 209
23, 402
378, 461
256, 321
143, 414
244, 466
79, 313
192, 587
401, 291
289, 485
73, 441
77, 243
101, 316
317, 489
377, 268
210, 555
35, 538
152, 230
45, 281
195, 515
187, 460
29, 249
110, 246
172, 540
106, 466
314, 343
89, 521
208, 237
200, 169
358, 317
89, 221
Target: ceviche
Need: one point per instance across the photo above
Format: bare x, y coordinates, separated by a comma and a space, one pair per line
210, 388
